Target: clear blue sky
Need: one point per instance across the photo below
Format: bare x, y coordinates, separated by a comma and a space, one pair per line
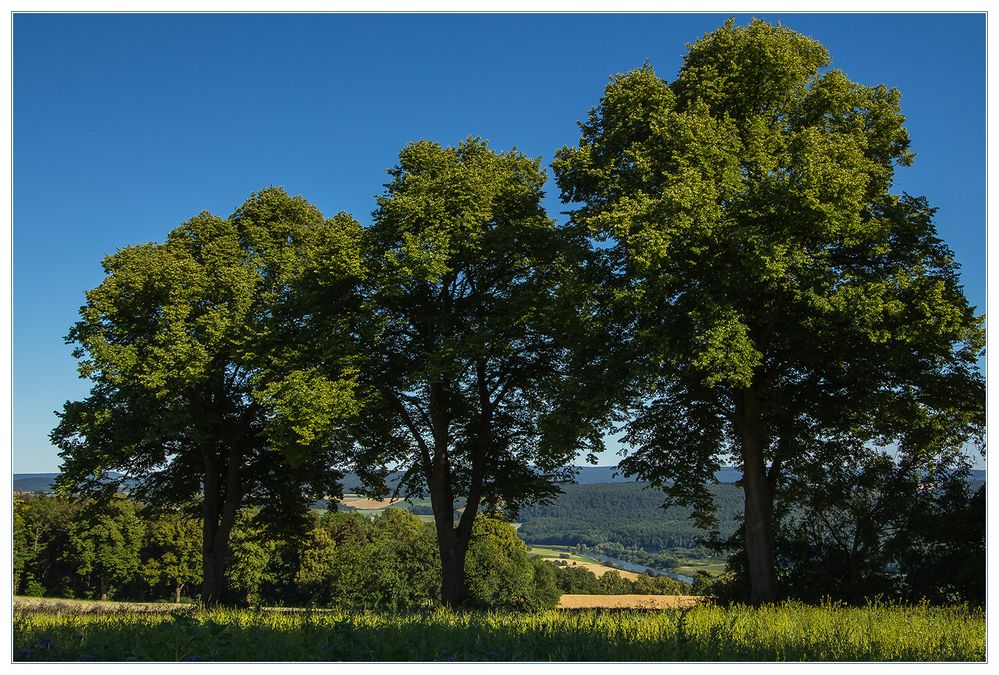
127, 125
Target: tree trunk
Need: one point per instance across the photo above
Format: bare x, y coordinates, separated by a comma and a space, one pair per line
452, 539
761, 564
102, 580
213, 585
454, 590
219, 511
213, 573
451, 544
176, 593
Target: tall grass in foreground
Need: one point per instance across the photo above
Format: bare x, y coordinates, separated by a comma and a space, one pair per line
787, 632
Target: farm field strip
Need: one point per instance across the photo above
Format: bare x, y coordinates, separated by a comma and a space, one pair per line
554, 555
627, 601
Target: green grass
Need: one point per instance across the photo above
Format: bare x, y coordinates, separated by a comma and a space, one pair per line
691, 567
557, 551
788, 632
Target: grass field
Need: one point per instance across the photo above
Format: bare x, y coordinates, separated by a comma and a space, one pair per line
788, 632
366, 504
691, 567
556, 553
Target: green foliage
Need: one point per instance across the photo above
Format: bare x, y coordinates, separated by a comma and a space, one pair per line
629, 515
577, 581
192, 389
251, 552
103, 544
40, 535
546, 593
172, 552
472, 292
465, 267
777, 304
498, 571
612, 583
391, 563
787, 632
387, 563
886, 530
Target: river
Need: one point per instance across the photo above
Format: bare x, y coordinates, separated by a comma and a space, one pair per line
633, 567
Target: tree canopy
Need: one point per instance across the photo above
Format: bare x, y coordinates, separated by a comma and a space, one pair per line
470, 290
189, 395
738, 283
781, 306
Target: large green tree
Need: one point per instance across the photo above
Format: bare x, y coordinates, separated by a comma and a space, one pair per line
190, 395
781, 307
471, 297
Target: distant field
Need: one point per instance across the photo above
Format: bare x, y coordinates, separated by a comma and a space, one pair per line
694, 566
632, 601
555, 553
364, 503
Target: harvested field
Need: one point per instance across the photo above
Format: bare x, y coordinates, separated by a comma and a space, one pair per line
628, 601
59, 605
601, 570
554, 554
369, 504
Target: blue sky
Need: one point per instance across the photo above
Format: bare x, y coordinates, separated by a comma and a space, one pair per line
127, 125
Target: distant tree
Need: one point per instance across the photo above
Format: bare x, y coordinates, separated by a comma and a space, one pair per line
23, 548
578, 581
387, 563
314, 576
612, 583
546, 591
172, 552
40, 533
407, 547
472, 294
251, 554
498, 570
189, 395
104, 543
779, 306
662, 585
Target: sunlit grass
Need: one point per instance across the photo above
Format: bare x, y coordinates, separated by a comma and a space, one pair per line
787, 632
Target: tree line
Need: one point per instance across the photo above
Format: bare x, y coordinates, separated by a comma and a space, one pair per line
736, 284
116, 549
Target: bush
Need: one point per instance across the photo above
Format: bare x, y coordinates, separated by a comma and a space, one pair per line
498, 570
578, 580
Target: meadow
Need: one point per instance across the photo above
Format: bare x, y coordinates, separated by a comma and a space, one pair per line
706, 632
559, 554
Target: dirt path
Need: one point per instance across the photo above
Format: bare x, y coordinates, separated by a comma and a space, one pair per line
23, 603
627, 601
90, 606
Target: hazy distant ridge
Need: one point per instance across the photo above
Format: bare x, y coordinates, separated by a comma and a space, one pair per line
42, 482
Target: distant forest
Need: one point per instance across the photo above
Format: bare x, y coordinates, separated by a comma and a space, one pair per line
630, 514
